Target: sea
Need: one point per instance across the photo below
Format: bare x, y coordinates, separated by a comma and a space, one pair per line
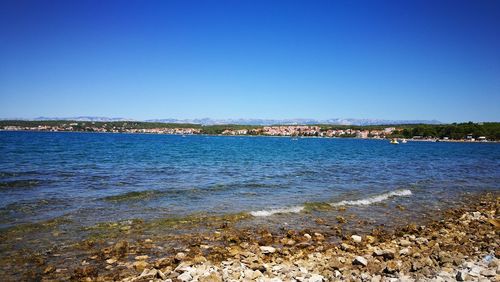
92, 178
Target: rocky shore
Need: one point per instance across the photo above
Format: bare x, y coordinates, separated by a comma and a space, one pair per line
463, 245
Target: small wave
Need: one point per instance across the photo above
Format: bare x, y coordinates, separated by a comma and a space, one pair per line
20, 183
374, 199
9, 174
296, 209
32, 207
259, 185
361, 202
134, 196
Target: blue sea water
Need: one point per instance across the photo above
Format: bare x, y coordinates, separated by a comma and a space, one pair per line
48, 175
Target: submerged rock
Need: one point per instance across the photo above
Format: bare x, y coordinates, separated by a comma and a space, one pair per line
341, 219
121, 248
87, 271
49, 269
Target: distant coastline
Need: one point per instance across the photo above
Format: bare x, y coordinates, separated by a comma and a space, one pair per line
463, 132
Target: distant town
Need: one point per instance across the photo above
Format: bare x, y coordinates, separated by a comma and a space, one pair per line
470, 132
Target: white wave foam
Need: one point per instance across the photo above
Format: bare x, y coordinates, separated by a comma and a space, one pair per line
374, 199
362, 202
296, 209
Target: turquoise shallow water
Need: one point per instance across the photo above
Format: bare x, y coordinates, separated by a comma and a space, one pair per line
91, 176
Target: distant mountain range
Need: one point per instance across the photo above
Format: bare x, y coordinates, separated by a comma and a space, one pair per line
241, 121
336, 121
83, 118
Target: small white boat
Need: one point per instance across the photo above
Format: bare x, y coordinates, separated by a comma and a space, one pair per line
404, 141
394, 141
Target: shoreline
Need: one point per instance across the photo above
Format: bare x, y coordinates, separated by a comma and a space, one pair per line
442, 250
454, 247
267, 136
437, 250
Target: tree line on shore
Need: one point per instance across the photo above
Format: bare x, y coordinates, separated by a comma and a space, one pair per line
490, 130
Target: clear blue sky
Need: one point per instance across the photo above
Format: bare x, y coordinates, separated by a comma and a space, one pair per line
251, 59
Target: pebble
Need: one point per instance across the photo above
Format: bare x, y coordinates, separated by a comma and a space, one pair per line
140, 265
488, 273
148, 273
144, 257
316, 278
212, 277
346, 247
359, 260
404, 243
267, 250
392, 267
475, 271
461, 276
404, 252
386, 253
370, 239
185, 277
180, 256
319, 236
356, 238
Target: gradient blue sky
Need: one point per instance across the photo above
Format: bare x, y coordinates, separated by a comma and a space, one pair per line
251, 59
